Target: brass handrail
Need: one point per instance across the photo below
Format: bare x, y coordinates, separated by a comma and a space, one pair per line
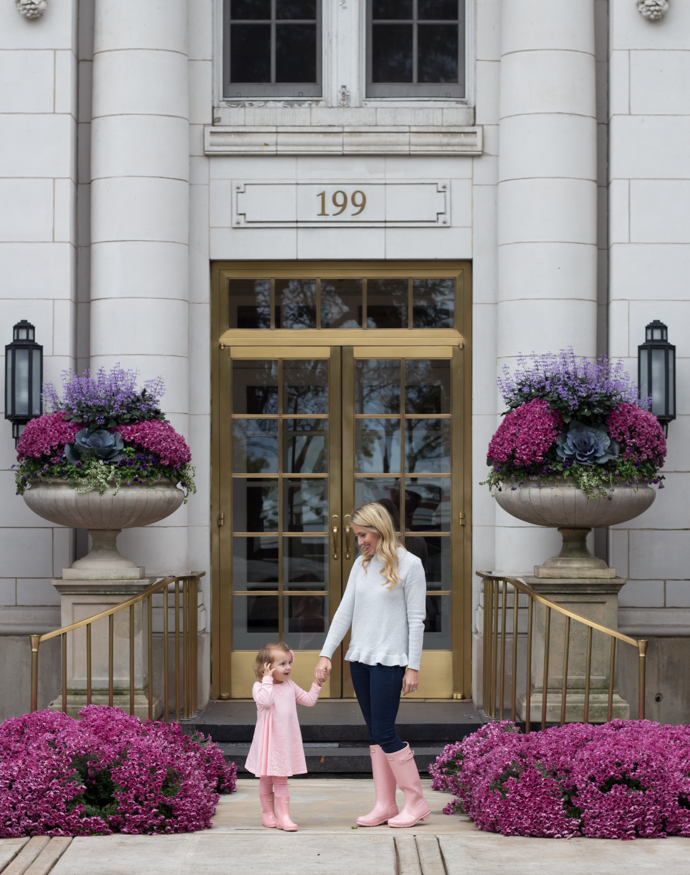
494, 670
185, 688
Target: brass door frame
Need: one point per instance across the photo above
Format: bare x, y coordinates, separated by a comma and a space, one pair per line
423, 341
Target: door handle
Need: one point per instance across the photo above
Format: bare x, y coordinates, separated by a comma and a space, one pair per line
335, 528
348, 533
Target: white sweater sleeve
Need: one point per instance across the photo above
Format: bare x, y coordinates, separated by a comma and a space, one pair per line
343, 616
415, 600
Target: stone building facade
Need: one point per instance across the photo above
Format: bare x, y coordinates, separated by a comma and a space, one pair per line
139, 172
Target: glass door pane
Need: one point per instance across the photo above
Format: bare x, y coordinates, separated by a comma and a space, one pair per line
397, 449
283, 490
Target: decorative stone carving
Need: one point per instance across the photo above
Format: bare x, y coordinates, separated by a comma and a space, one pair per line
32, 9
654, 10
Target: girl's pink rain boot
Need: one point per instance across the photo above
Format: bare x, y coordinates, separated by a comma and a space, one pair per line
406, 775
283, 814
384, 787
268, 817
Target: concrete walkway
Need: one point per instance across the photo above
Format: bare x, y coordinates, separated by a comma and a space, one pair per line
327, 844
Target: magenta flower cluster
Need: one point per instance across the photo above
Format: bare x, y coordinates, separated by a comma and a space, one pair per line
46, 436
638, 432
105, 773
526, 434
619, 780
160, 438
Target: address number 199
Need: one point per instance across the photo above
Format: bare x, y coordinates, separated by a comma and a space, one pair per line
341, 201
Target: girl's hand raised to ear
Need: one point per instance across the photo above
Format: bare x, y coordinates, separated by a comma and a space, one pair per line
268, 669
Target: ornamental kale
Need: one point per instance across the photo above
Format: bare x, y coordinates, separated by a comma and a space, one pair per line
106, 400
586, 444
619, 780
578, 388
104, 773
95, 445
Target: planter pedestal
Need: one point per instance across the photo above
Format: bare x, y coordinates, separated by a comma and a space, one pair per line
85, 598
596, 599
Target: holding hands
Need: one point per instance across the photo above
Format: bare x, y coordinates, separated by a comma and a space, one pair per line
322, 670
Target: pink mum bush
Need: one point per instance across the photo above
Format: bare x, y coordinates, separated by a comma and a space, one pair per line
46, 436
106, 773
639, 433
619, 780
526, 434
160, 438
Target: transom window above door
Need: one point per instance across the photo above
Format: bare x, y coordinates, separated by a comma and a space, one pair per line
272, 48
415, 48
349, 303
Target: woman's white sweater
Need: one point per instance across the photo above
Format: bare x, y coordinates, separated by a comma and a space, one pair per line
387, 624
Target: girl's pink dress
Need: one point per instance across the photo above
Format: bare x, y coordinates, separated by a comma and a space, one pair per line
277, 744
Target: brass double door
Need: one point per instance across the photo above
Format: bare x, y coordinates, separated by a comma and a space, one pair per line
307, 435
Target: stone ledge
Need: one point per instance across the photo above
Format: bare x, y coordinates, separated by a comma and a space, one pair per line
343, 140
654, 622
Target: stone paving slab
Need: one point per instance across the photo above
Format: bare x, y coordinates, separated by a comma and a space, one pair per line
488, 854
222, 853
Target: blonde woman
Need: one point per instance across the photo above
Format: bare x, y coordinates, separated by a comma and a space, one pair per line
384, 603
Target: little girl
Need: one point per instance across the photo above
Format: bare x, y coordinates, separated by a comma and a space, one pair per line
276, 751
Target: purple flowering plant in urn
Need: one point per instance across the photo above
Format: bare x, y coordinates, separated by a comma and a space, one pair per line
103, 458
576, 448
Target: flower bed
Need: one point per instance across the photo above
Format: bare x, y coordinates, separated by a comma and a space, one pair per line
104, 433
619, 780
570, 419
106, 773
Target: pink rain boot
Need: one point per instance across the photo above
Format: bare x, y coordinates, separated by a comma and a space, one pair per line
268, 817
283, 814
406, 775
384, 787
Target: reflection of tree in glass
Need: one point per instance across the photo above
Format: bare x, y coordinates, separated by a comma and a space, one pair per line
378, 386
380, 440
433, 303
255, 446
341, 303
427, 386
306, 506
427, 444
306, 387
295, 303
306, 451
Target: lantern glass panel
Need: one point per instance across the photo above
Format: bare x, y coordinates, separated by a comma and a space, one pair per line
643, 373
21, 382
658, 382
671, 383
9, 376
36, 382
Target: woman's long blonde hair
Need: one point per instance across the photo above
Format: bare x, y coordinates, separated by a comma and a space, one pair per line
376, 518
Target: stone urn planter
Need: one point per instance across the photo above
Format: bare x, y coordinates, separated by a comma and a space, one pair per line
574, 514
104, 516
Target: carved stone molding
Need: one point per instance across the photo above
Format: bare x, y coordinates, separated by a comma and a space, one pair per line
32, 9
342, 140
654, 10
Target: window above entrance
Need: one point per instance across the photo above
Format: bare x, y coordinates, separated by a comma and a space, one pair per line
272, 48
348, 303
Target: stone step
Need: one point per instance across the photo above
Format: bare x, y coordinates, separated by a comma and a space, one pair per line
333, 758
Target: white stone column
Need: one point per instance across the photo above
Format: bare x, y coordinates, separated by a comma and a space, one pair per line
140, 216
547, 205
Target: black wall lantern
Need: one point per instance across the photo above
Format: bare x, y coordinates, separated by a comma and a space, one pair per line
656, 366
23, 377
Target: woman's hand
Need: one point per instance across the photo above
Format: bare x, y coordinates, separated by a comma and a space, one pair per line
268, 669
410, 681
322, 670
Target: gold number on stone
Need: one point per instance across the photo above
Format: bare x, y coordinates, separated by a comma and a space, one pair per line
339, 202
361, 204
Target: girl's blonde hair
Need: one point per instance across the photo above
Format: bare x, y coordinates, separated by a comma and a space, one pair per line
266, 655
374, 517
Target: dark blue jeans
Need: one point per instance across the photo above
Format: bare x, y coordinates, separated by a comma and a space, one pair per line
378, 689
